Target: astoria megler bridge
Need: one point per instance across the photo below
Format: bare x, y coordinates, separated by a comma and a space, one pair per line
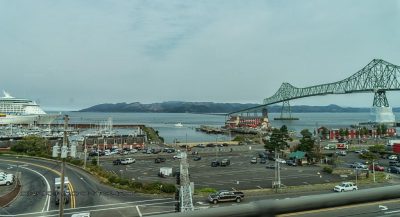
377, 77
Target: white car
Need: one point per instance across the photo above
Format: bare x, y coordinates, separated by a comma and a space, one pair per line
128, 161
279, 160
4, 175
132, 151
392, 157
345, 186
6, 180
178, 156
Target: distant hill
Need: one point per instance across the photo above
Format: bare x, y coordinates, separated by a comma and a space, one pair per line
211, 107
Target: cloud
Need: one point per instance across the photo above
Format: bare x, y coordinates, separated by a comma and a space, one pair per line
224, 51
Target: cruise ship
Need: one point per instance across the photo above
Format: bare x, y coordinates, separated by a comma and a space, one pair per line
22, 111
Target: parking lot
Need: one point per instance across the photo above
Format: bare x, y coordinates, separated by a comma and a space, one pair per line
240, 174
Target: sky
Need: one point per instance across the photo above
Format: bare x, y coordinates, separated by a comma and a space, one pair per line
69, 55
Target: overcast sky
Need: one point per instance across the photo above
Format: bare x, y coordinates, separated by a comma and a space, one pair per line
75, 54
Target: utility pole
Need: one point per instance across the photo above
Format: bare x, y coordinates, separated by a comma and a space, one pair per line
84, 162
64, 150
64, 153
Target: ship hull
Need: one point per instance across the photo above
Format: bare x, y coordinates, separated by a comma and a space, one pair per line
17, 119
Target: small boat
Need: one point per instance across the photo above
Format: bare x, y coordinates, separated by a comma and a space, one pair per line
178, 125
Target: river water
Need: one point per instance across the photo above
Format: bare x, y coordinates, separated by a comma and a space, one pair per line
165, 122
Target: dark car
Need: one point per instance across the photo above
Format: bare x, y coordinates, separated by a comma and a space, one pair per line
263, 160
394, 169
159, 160
394, 163
92, 154
291, 163
215, 163
262, 155
210, 145
200, 146
58, 197
197, 158
117, 161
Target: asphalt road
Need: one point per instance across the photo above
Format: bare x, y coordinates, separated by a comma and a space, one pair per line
88, 193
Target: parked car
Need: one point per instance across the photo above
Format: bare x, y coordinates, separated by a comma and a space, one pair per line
392, 157
341, 153
200, 146
280, 160
291, 163
253, 160
132, 151
377, 167
263, 160
394, 169
197, 158
225, 162
262, 155
124, 152
394, 163
127, 161
117, 161
178, 156
215, 163
159, 160
210, 145
270, 166
345, 186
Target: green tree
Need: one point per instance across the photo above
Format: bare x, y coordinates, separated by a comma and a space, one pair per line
32, 145
377, 149
369, 156
324, 133
307, 142
275, 141
381, 129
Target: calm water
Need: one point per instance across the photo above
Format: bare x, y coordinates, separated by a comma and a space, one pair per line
164, 122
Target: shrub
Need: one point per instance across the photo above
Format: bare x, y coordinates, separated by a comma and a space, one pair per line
136, 185
328, 170
113, 179
207, 190
94, 161
123, 181
168, 188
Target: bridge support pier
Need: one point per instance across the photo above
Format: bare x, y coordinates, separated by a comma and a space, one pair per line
286, 113
381, 111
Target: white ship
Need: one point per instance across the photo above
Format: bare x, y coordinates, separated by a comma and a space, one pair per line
22, 111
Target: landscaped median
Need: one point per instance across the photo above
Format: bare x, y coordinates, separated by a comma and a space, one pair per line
10, 196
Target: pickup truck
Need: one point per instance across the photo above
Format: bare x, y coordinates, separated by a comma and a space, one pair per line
6, 180
224, 195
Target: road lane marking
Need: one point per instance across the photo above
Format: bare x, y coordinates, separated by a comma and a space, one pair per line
138, 210
390, 212
82, 209
72, 197
339, 208
47, 201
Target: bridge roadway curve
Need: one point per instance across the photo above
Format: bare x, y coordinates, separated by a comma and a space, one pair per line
89, 193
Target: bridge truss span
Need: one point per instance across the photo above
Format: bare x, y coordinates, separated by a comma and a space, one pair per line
378, 75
